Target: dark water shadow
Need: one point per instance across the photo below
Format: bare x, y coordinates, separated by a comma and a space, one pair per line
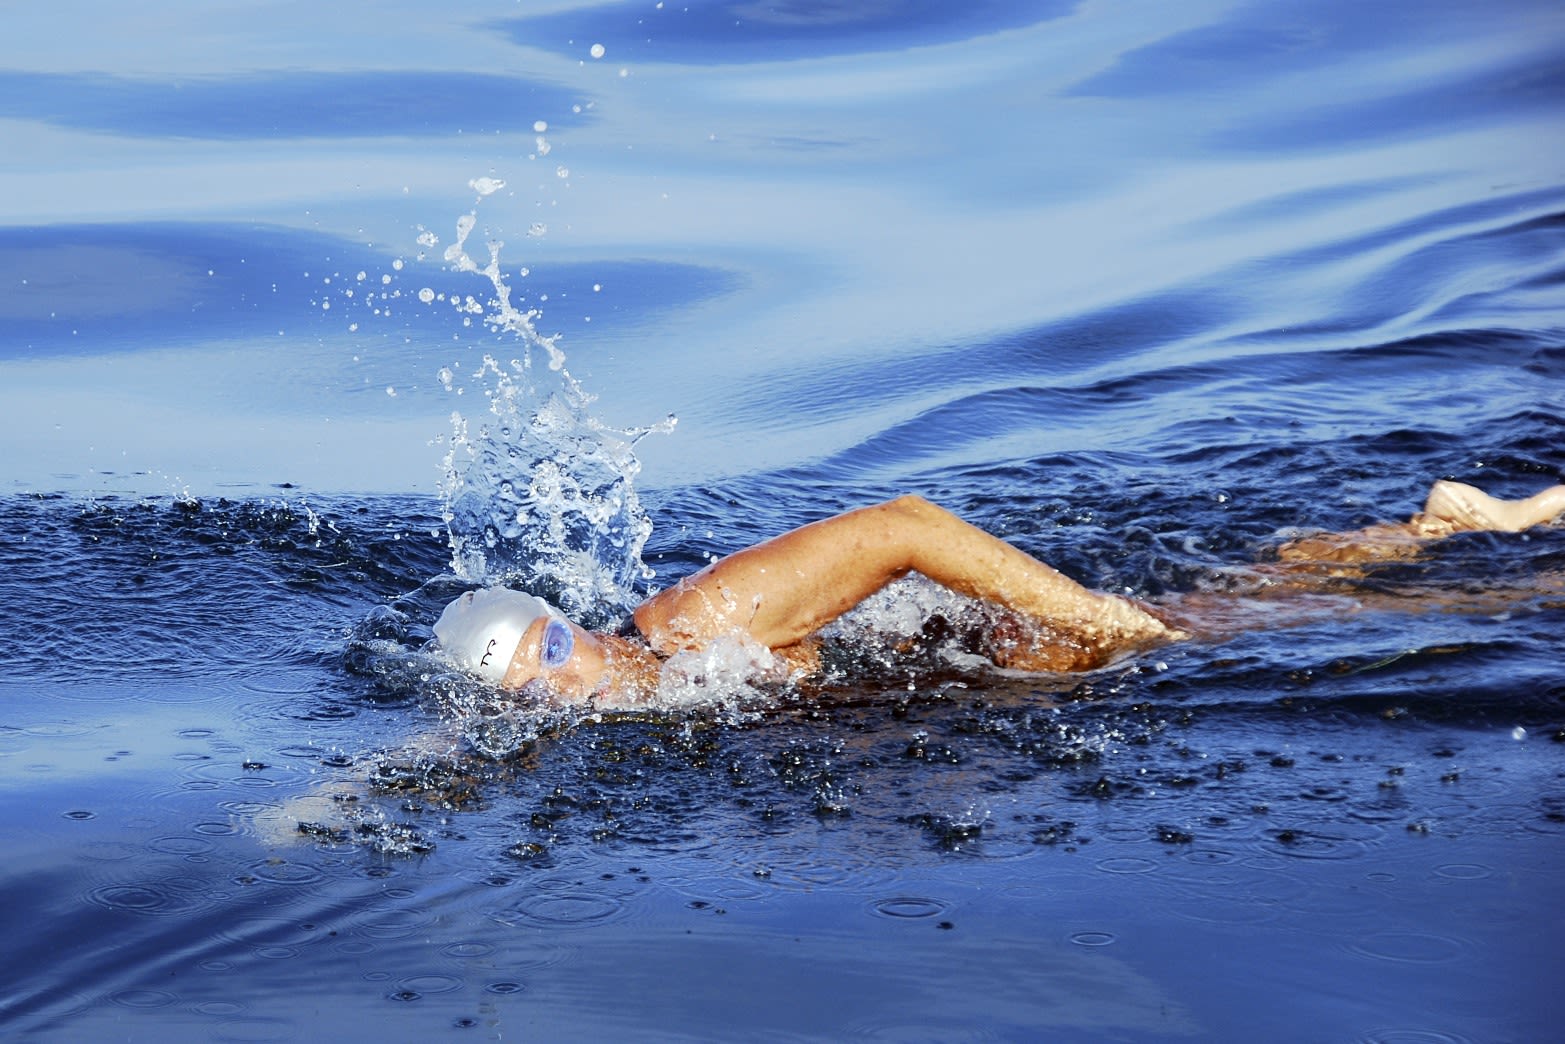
116, 288
289, 105
722, 32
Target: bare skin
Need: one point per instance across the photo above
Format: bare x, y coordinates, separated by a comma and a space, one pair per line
779, 593
1452, 507
786, 589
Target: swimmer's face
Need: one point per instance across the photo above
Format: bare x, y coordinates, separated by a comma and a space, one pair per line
565, 658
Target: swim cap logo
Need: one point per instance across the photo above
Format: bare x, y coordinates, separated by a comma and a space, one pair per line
481, 630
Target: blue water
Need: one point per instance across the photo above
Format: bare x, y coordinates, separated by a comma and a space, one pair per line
1140, 287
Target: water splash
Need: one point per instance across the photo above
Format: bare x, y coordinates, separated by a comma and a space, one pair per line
539, 492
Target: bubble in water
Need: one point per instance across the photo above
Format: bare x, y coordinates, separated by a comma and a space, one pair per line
487, 186
539, 126
426, 295
597, 51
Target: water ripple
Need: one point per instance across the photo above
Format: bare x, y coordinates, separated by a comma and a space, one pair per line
563, 910
1409, 947
908, 907
147, 897
1093, 938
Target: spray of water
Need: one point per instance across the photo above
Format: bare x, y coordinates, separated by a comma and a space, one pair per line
537, 491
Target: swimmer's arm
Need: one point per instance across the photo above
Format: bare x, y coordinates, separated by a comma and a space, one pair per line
1451, 507
787, 588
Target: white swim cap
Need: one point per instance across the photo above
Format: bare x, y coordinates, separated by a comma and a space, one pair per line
481, 629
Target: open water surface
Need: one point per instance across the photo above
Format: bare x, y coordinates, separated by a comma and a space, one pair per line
1141, 288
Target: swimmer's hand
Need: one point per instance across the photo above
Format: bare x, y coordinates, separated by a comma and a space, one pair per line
1452, 507
1469, 509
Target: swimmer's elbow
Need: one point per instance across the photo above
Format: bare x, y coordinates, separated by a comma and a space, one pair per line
911, 504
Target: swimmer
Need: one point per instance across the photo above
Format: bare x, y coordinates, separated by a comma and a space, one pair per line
781, 592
